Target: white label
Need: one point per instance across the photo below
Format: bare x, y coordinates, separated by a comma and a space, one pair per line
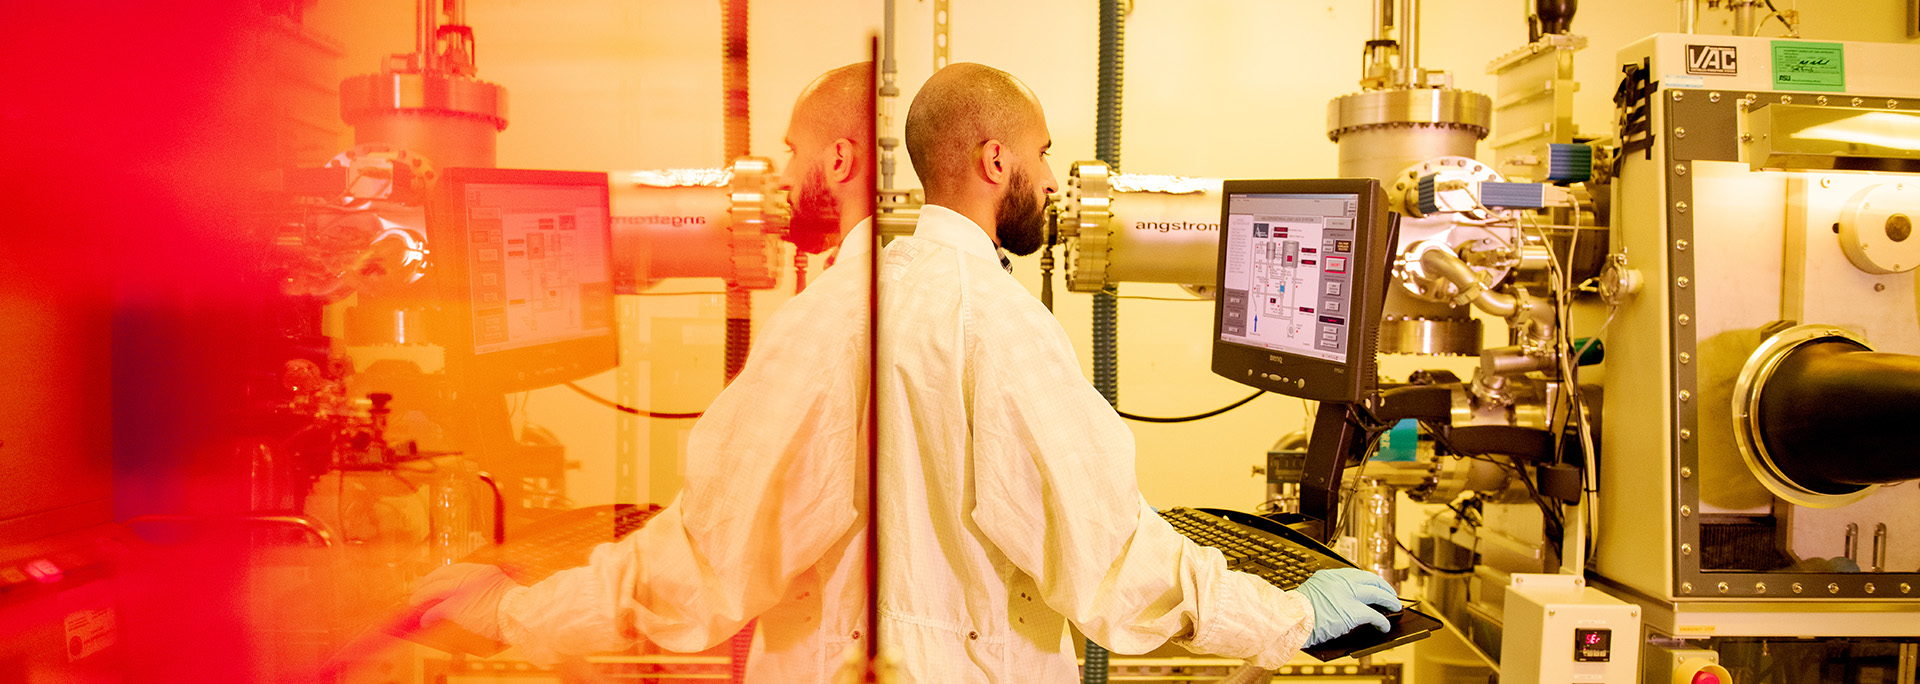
89, 622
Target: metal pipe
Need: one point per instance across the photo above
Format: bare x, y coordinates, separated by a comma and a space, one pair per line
1879, 547
1409, 21
426, 27
307, 525
1743, 15
1690, 16
1444, 264
889, 92
499, 508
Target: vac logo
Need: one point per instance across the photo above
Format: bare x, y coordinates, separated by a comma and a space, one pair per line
1718, 60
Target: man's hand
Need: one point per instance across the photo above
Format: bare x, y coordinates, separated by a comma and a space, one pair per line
1343, 599
467, 594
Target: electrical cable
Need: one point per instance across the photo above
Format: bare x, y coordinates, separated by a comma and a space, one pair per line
1777, 14
1430, 568
1575, 406
673, 294
1556, 524
628, 409
1194, 417
1161, 299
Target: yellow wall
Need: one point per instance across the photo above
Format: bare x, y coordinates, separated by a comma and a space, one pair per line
1234, 88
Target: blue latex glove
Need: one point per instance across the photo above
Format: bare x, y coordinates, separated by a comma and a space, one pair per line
1343, 599
467, 594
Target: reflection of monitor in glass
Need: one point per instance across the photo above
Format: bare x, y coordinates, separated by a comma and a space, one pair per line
525, 276
1302, 274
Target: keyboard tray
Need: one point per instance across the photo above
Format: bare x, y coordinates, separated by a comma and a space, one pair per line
1285, 557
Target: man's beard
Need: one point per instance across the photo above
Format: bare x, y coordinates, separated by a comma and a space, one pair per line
1022, 220
816, 216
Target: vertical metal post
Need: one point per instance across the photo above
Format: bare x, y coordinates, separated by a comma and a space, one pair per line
426, 28
1409, 23
942, 34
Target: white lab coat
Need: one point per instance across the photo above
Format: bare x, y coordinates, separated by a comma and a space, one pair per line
771, 523
1008, 503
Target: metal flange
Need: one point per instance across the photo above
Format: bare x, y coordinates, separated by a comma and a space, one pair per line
1747, 391
1087, 224
758, 217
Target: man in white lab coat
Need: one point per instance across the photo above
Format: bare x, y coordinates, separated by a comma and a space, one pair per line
1007, 502
771, 524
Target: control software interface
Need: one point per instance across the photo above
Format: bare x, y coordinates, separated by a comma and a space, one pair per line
1287, 280
538, 262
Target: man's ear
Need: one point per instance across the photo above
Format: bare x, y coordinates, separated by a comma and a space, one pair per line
841, 165
996, 162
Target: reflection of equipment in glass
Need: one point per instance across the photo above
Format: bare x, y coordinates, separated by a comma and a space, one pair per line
698, 223
525, 276
538, 550
429, 101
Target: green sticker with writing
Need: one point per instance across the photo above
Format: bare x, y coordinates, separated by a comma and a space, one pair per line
1800, 65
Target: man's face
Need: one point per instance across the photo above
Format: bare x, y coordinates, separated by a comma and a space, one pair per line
816, 214
1022, 216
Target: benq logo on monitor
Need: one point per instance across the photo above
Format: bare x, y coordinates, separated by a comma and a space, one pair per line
1718, 60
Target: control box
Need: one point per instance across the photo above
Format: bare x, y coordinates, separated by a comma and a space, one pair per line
1559, 630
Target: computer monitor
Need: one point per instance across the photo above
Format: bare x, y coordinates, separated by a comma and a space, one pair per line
1303, 271
523, 260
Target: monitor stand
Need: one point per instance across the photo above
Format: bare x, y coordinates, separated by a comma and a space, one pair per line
1339, 441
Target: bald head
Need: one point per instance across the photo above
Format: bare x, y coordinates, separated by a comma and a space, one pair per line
830, 171
959, 108
837, 105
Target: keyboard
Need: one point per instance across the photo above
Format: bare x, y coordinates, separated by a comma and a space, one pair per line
532, 553
561, 541
1286, 558
1284, 562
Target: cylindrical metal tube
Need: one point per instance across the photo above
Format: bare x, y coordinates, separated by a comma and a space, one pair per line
1744, 12
1409, 43
1165, 238
680, 232
1381, 133
1879, 548
1690, 16
1444, 264
1371, 523
446, 141
1385, 151
426, 27
451, 120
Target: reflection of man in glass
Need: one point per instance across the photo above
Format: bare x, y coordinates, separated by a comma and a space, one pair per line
1008, 504
771, 523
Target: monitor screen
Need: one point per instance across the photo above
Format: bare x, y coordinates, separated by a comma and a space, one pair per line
528, 283
1302, 274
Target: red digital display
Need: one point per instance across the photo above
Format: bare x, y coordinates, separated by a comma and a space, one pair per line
1592, 645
